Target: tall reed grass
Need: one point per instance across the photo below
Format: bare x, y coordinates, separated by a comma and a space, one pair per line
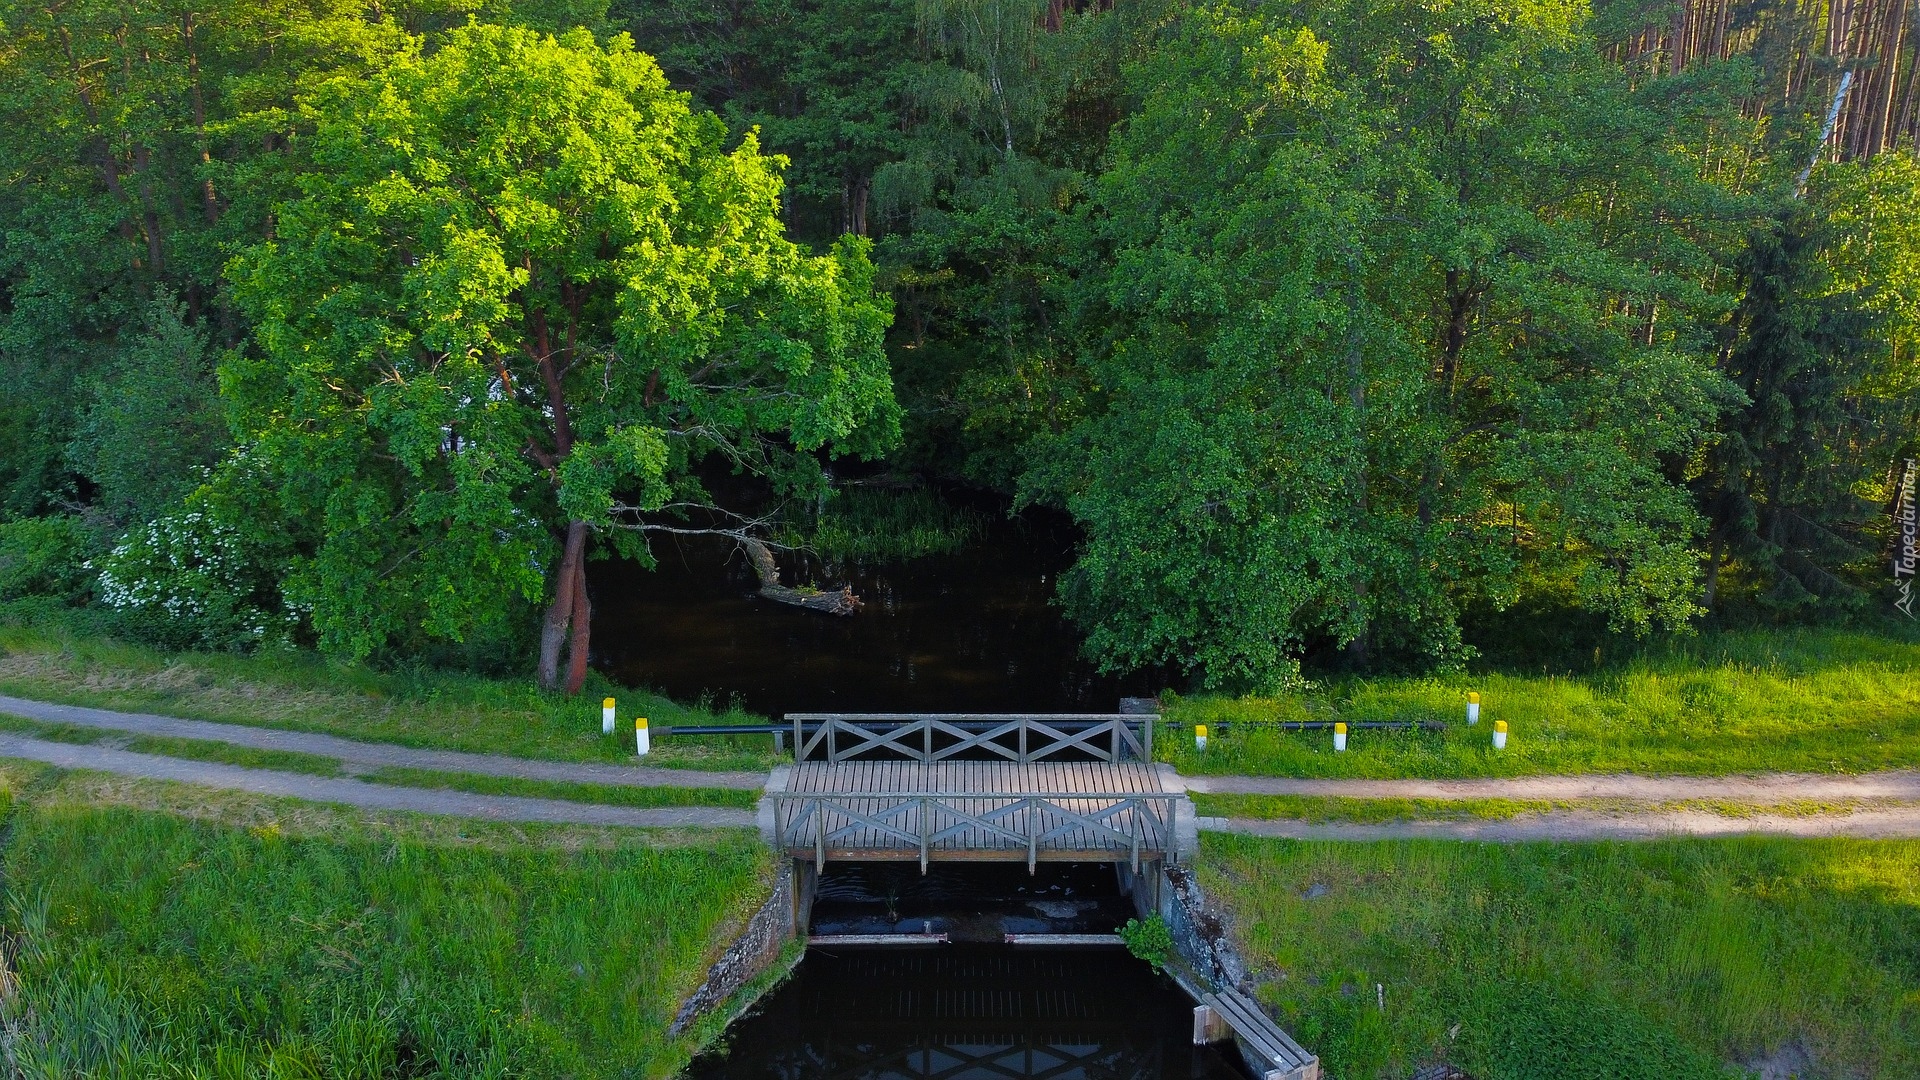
874, 523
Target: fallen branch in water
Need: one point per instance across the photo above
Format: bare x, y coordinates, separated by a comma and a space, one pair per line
840, 601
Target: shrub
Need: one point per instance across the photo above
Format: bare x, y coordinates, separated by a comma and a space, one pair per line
44, 556
1150, 940
191, 578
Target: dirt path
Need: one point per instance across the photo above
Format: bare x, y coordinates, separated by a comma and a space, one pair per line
1898, 823
357, 793
374, 755
1571, 824
1769, 787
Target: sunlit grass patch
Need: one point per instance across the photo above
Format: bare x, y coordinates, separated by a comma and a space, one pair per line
1328, 808
301, 692
1545, 955
160, 943
1800, 700
1320, 809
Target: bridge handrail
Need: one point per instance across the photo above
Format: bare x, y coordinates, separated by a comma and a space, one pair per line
1058, 732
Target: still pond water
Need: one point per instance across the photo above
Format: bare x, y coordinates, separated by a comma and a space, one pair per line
974, 631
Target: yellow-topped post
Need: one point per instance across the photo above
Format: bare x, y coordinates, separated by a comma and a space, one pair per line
642, 742
1199, 736
1340, 737
1499, 734
606, 717
1473, 709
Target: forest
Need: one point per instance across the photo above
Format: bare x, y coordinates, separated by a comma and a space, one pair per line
1334, 327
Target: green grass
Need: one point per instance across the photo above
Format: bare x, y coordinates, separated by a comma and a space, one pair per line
190, 749
320, 765
1791, 700
1582, 961
608, 794
1318, 809
168, 931
1334, 808
302, 692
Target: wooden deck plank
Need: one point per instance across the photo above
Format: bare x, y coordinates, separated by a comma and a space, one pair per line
863, 800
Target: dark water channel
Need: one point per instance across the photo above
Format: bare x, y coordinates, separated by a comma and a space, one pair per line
969, 1010
982, 902
976, 630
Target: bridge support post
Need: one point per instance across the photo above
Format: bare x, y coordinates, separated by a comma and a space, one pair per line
1033, 836
926, 829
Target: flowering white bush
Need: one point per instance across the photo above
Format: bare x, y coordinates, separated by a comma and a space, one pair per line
194, 573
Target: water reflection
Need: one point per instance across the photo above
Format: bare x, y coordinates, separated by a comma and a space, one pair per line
973, 631
963, 1012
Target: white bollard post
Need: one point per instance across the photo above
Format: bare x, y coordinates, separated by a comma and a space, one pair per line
1473, 709
642, 742
1199, 736
1339, 738
1499, 734
606, 717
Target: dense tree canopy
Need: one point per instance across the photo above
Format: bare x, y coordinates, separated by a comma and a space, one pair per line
1332, 326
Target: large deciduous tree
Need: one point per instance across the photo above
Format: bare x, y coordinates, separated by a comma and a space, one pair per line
524, 294
1401, 307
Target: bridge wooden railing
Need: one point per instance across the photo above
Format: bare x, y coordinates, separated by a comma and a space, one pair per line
1078, 825
940, 736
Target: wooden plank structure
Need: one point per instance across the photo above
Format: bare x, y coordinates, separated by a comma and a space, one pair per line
896, 787
1270, 1052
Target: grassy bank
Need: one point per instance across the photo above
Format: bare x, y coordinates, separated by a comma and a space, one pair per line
302, 692
1791, 700
171, 931
1583, 961
1318, 809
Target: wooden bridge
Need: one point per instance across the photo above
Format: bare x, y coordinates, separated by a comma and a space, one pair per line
889, 786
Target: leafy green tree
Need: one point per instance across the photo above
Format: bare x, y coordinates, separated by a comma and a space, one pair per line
144, 142
524, 295
1397, 308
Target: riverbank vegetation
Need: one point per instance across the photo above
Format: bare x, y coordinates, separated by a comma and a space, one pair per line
1338, 330
165, 930
867, 523
1805, 700
1583, 961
